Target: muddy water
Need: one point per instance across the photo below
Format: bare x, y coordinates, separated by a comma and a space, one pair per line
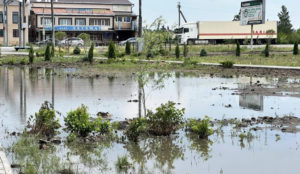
22, 91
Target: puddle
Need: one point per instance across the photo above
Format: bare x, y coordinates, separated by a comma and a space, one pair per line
22, 91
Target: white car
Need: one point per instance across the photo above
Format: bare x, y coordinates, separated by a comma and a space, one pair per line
74, 41
131, 40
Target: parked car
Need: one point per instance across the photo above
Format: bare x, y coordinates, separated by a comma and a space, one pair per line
131, 40
45, 42
74, 41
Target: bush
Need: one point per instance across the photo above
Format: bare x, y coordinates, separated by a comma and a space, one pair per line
177, 51
296, 49
227, 64
91, 53
267, 51
45, 123
101, 126
238, 49
47, 53
31, 55
201, 128
111, 50
76, 50
203, 53
128, 48
185, 50
123, 164
166, 120
136, 127
78, 121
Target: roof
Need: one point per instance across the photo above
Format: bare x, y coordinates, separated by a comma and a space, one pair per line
105, 2
65, 11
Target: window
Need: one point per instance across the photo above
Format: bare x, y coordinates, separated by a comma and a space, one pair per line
186, 30
1, 17
1, 32
15, 17
127, 19
65, 21
103, 22
15, 33
119, 19
80, 21
46, 21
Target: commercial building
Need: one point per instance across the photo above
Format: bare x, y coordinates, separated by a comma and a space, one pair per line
13, 22
104, 20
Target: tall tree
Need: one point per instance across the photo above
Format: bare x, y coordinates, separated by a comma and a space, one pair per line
284, 24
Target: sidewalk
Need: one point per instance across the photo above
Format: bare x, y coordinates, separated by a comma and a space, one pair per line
4, 164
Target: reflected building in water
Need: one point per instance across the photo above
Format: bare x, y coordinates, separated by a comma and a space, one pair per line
252, 101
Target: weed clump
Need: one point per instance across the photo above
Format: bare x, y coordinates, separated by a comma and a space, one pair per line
76, 51
123, 163
201, 128
227, 64
203, 53
165, 120
45, 122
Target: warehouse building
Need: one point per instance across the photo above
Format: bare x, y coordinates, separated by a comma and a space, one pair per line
104, 20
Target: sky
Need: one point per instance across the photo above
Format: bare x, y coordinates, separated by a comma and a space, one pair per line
211, 10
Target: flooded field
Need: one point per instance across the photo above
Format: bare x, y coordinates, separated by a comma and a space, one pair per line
22, 91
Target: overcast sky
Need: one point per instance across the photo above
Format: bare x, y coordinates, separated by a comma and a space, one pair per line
211, 10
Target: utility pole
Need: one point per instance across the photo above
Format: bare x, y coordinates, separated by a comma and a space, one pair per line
140, 19
52, 19
4, 19
24, 23
179, 6
20, 23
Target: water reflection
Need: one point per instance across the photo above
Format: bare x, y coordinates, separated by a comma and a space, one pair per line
201, 146
252, 101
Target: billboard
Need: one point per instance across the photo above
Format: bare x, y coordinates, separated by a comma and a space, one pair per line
253, 12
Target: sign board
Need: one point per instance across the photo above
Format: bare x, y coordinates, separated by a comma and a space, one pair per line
74, 28
253, 12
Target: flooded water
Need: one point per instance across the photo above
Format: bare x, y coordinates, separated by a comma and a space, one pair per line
22, 91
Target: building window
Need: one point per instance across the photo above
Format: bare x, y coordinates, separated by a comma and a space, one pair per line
80, 21
103, 22
1, 17
1, 32
127, 19
46, 21
15, 33
15, 17
65, 21
119, 19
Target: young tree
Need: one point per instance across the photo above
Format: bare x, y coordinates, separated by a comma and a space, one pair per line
60, 36
128, 48
177, 51
267, 51
111, 50
31, 55
48, 53
284, 25
91, 53
86, 39
238, 49
185, 50
296, 49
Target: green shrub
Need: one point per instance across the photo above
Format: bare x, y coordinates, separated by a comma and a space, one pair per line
47, 53
267, 51
128, 48
296, 49
11, 61
136, 127
238, 49
91, 53
123, 164
23, 62
76, 51
177, 51
149, 54
101, 126
201, 128
45, 122
166, 120
78, 121
203, 53
185, 50
31, 55
111, 50
71, 137
227, 64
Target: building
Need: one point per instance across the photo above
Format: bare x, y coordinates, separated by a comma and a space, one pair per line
13, 21
104, 20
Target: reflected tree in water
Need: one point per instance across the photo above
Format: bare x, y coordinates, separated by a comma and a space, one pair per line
201, 146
